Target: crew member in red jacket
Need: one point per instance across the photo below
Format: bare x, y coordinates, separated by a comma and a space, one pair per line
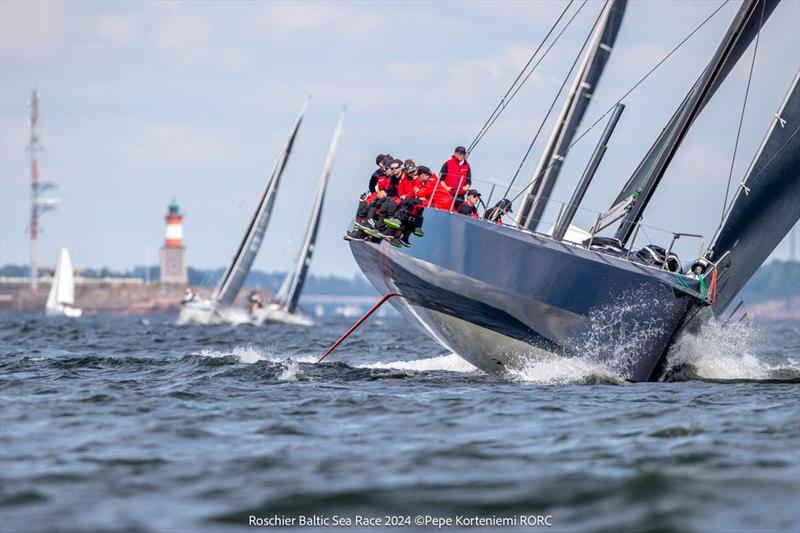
405, 188
394, 171
456, 174
382, 161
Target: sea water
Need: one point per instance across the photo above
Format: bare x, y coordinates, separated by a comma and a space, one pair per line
123, 424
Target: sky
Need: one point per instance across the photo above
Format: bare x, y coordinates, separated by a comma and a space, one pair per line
141, 102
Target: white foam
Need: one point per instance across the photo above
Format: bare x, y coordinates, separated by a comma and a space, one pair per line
555, 370
251, 354
718, 352
450, 363
291, 371
619, 332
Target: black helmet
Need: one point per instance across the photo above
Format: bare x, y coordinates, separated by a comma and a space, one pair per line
505, 203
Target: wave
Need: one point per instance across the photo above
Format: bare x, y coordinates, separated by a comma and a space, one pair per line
728, 353
252, 354
449, 363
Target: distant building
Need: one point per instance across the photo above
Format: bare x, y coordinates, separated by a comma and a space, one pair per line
173, 253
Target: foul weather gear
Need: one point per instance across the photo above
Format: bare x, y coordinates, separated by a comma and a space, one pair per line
456, 175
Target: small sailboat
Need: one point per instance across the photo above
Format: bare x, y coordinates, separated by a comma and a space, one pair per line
218, 308
284, 308
61, 300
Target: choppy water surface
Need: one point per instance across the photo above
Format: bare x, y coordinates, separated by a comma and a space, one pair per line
118, 424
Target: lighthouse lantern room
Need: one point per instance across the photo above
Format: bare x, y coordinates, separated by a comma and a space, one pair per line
173, 253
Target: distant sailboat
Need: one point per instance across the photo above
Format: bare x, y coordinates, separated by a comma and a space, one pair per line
61, 300
284, 308
218, 308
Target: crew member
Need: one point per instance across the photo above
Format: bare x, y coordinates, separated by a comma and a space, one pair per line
456, 174
394, 172
405, 187
469, 206
382, 161
495, 214
188, 296
256, 302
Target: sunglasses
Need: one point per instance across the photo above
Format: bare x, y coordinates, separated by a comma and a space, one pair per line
394, 168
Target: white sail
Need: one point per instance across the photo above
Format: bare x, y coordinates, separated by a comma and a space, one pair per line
52, 298
66, 282
62, 291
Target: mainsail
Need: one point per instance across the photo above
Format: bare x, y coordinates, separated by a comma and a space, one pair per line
62, 291
292, 286
639, 189
575, 106
766, 206
237, 270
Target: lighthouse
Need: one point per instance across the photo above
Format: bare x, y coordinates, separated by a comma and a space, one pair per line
173, 254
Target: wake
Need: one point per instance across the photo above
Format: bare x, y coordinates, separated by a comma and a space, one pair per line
741, 352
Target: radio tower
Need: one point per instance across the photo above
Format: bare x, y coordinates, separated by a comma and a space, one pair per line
38, 204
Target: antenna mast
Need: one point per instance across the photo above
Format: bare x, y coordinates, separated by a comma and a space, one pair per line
39, 204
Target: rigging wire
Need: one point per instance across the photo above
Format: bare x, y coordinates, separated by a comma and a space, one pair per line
633, 88
531, 72
741, 116
501, 106
555, 100
763, 169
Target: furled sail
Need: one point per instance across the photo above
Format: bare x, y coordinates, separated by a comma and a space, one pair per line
292, 286
766, 205
62, 291
642, 184
242, 261
575, 106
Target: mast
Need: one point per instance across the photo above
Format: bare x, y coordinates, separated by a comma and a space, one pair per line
562, 225
765, 207
641, 186
575, 106
39, 204
236, 273
293, 285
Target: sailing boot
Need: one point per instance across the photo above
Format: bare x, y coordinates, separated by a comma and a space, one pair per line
375, 234
392, 223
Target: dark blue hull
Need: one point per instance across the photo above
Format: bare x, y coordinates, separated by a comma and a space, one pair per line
501, 298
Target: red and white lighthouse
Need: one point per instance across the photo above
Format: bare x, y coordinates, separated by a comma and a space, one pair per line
173, 253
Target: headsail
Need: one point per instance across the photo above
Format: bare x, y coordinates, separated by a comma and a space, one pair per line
575, 105
642, 184
292, 286
766, 206
242, 261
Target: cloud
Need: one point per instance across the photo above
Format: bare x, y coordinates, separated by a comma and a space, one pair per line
283, 19
404, 70
116, 28
30, 28
182, 145
13, 138
183, 36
